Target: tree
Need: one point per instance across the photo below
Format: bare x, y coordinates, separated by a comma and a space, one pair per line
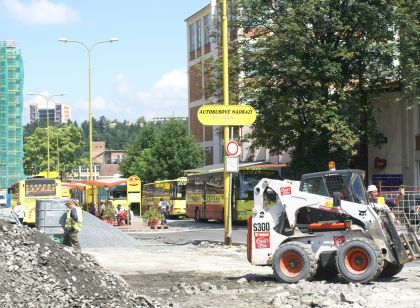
65, 150
309, 68
161, 152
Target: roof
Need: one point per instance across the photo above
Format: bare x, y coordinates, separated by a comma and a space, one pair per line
220, 167
110, 182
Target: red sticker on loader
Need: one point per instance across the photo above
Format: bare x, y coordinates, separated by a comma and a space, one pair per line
262, 240
285, 191
338, 240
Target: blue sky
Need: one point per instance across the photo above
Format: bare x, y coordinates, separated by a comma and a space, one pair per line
144, 74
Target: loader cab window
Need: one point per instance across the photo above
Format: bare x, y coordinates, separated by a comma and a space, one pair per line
359, 190
315, 186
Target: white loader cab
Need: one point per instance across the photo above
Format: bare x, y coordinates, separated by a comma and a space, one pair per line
324, 227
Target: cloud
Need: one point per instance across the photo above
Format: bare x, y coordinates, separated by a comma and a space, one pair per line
167, 97
39, 12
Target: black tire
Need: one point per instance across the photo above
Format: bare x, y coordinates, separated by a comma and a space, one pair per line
359, 260
390, 270
294, 261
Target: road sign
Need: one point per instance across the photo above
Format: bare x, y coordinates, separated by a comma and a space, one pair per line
232, 148
231, 164
226, 115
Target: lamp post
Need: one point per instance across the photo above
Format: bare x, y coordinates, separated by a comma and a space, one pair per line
47, 99
89, 52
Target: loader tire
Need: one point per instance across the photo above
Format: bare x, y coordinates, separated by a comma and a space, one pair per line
359, 260
294, 261
390, 270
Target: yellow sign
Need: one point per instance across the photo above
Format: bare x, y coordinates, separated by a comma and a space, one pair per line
133, 184
226, 115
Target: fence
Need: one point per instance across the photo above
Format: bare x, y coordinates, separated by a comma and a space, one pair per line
409, 204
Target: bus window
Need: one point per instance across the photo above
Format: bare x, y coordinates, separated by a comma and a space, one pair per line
248, 180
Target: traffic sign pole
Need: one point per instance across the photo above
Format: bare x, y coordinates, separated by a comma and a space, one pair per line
226, 178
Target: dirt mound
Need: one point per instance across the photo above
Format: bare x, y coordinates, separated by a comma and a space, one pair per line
36, 272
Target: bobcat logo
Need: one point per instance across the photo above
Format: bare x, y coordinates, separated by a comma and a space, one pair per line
362, 213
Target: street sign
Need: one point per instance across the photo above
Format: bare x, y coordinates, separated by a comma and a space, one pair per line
231, 164
232, 148
226, 115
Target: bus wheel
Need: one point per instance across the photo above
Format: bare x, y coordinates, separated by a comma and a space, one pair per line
197, 215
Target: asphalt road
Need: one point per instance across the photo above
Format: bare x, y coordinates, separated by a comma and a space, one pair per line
187, 230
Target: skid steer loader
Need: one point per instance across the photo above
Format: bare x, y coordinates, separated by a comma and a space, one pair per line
325, 227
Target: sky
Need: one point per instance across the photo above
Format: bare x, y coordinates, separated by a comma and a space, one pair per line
143, 74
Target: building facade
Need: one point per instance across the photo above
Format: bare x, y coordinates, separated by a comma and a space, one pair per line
11, 107
203, 45
59, 113
105, 163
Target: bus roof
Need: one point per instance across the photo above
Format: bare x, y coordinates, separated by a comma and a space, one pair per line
242, 166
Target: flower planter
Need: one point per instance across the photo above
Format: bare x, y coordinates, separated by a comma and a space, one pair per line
153, 223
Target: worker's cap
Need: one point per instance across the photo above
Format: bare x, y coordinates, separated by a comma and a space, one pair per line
71, 201
372, 188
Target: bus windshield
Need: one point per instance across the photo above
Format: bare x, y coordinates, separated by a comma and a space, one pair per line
40, 188
179, 191
118, 192
248, 179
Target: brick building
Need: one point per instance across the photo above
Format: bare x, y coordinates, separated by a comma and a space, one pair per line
203, 44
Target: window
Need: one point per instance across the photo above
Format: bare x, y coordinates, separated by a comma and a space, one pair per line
198, 23
207, 29
192, 37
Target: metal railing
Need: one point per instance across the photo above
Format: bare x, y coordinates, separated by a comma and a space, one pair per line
409, 204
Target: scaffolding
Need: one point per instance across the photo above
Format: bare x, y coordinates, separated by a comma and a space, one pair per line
11, 107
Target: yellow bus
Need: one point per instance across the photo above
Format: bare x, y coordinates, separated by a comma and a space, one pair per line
172, 191
205, 193
29, 190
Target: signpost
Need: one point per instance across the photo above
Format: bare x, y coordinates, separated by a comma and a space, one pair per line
227, 115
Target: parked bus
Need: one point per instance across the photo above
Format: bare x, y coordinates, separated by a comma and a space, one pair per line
205, 193
172, 191
29, 190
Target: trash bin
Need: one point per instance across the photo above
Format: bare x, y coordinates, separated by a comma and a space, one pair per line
51, 216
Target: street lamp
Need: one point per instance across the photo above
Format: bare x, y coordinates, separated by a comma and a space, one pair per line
47, 98
89, 51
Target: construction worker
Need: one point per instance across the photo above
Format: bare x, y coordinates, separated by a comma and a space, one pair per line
373, 195
73, 224
19, 211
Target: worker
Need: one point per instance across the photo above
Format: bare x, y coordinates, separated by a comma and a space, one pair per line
73, 224
373, 195
19, 211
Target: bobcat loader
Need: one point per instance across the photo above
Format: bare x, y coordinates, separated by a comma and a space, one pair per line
325, 227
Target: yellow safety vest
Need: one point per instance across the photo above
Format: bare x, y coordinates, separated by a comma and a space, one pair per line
69, 220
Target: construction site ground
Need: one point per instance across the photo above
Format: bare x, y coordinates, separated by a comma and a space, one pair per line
208, 274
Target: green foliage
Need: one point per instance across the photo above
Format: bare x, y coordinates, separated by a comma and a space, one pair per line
65, 149
312, 69
152, 214
161, 152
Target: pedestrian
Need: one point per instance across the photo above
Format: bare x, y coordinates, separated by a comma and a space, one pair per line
102, 208
73, 224
92, 209
374, 198
163, 207
19, 211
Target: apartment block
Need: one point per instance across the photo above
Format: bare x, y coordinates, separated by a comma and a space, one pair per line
59, 113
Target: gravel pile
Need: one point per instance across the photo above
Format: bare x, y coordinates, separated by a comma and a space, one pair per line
98, 234
36, 272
